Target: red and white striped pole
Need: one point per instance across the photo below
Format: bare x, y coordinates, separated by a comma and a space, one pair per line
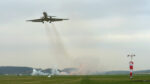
131, 65
131, 69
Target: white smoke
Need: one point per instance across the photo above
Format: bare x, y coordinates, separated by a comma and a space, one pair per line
57, 47
62, 58
38, 72
55, 72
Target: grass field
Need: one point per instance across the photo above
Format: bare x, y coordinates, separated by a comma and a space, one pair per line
107, 79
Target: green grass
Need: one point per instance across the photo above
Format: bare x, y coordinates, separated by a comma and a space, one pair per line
105, 79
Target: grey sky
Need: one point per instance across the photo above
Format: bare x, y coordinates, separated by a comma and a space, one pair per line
104, 31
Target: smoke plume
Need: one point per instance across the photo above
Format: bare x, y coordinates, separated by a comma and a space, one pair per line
57, 48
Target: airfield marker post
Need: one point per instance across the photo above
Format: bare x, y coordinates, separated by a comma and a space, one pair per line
131, 65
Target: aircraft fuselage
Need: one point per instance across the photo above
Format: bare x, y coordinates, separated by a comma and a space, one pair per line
45, 16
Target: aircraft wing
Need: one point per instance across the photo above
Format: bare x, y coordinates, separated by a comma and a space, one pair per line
59, 19
36, 20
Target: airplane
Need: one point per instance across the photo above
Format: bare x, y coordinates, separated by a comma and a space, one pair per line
47, 18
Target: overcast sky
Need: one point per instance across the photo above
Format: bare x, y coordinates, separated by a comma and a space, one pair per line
99, 34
